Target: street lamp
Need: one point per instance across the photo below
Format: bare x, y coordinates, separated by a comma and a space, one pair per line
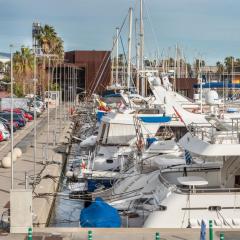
35, 116
12, 183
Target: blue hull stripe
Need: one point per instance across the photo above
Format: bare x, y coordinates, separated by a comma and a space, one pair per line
155, 119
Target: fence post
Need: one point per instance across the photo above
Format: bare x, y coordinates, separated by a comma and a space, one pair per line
221, 236
30, 233
90, 235
210, 230
157, 236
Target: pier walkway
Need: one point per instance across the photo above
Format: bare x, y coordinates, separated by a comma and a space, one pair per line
120, 234
49, 163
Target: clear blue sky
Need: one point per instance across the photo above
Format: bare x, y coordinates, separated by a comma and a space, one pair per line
210, 28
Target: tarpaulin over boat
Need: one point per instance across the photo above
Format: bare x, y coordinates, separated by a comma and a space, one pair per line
100, 215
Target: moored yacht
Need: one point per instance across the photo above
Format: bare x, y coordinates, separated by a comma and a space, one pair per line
210, 193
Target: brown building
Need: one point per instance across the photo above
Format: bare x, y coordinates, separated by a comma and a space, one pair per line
95, 68
185, 86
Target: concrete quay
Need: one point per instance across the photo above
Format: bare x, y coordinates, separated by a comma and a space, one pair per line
120, 233
47, 172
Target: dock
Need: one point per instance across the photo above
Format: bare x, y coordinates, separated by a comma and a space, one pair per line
49, 166
119, 234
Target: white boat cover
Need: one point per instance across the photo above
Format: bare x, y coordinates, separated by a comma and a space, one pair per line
202, 148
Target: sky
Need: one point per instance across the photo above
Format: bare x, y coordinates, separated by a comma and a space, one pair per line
209, 29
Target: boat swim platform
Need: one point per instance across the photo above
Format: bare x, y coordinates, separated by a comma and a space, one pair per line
121, 233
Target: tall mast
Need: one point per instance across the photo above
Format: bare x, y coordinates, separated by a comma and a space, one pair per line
142, 47
129, 49
137, 56
117, 29
175, 67
112, 55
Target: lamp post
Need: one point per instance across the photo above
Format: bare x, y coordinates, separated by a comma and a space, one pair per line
55, 70
35, 117
12, 182
60, 96
48, 89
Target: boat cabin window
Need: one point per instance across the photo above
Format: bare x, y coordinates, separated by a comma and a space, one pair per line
109, 161
237, 181
100, 155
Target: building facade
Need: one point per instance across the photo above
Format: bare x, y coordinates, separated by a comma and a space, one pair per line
95, 68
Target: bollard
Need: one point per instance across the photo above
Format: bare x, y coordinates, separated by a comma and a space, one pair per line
210, 230
221, 236
30, 233
157, 236
90, 235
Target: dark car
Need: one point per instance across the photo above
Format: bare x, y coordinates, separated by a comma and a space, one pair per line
20, 111
16, 117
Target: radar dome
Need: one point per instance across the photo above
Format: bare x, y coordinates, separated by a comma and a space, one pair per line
211, 97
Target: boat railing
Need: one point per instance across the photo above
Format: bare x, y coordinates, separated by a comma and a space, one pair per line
196, 190
209, 131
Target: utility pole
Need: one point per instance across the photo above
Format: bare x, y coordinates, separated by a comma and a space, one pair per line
68, 83
55, 70
12, 182
35, 116
60, 97
48, 129
129, 49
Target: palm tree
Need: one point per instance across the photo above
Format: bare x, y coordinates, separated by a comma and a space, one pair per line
228, 63
23, 67
50, 43
1, 67
220, 67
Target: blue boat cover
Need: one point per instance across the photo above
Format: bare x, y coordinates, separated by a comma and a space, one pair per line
151, 140
100, 215
217, 85
155, 119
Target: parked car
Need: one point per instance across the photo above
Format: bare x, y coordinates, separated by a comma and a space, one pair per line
4, 131
26, 115
40, 104
29, 112
8, 124
16, 117
1, 137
